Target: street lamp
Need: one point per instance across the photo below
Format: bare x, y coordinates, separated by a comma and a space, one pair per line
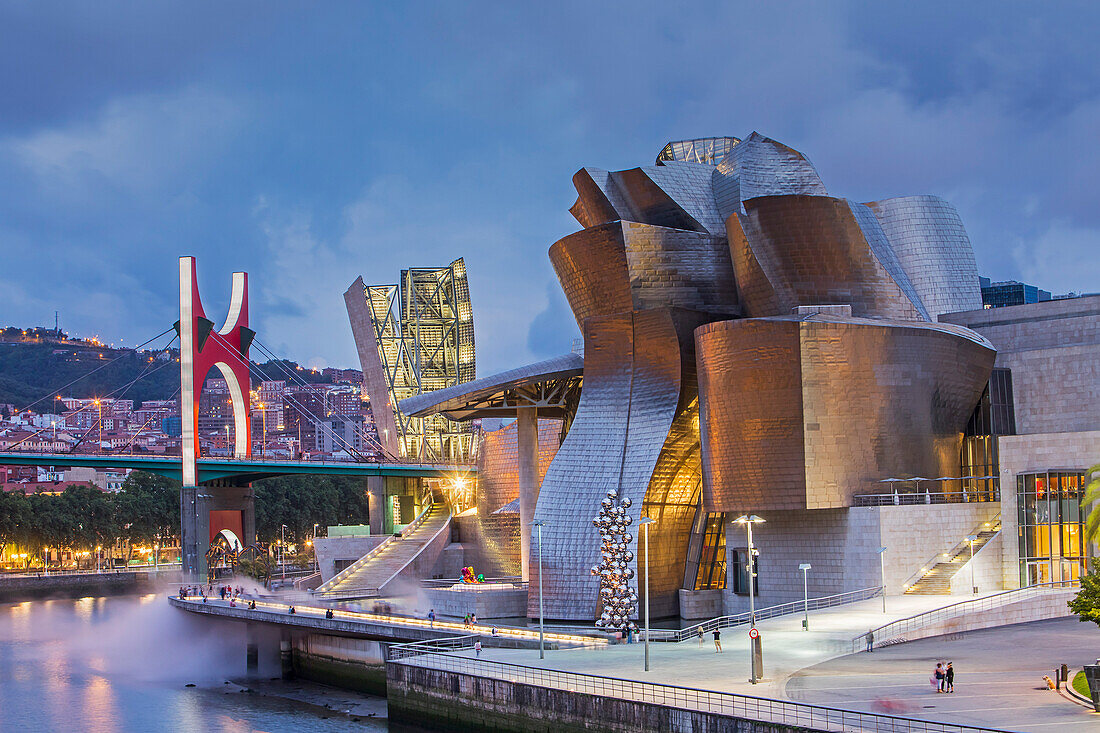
755, 649
282, 547
227, 453
972, 538
316, 562
645, 522
542, 651
263, 419
99, 408
805, 568
882, 574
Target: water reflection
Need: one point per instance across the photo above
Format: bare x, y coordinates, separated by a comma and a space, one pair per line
120, 665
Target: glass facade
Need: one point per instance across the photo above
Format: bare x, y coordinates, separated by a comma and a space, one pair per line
1052, 527
706, 562
994, 415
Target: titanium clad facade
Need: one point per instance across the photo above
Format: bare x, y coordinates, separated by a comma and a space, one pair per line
811, 250
828, 406
931, 243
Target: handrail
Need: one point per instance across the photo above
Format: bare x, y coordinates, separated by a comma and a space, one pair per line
994, 521
886, 633
782, 609
330, 590
928, 497
332, 582
445, 527
745, 707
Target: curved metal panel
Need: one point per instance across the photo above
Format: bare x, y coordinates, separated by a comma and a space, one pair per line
931, 244
808, 413
809, 250
760, 166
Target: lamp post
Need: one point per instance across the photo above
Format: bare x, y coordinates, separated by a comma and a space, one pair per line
972, 538
97, 551
316, 562
263, 439
282, 547
227, 450
645, 522
755, 649
542, 646
805, 567
99, 408
882, 574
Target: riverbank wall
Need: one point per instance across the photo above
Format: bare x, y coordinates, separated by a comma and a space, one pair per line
442, 700
354, 664
78, 585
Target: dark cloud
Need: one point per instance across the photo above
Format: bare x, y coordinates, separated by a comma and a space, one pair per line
309, 144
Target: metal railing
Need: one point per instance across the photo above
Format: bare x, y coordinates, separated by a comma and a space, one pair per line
65, 459
429, 646
150, 568
513, 580
993, 525
745, 707
927, 497
329, 588
896, 630
783, 609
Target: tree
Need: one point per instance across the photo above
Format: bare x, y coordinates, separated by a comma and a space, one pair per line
299, 502
1092, 498
147, 509
1086, 604
13, 517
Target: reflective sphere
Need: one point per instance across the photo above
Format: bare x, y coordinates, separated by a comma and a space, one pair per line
626, 502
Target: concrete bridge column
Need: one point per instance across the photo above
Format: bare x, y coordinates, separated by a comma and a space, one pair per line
195, 530
376, 497
527, 438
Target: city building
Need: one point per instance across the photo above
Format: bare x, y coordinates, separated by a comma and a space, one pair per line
1010, 292
413, 337
754, 346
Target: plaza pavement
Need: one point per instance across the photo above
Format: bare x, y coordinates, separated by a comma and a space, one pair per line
997, 681
998, 677
787, 649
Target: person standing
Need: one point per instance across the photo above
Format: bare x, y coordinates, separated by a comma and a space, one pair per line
949, 678
937, 677
717, 641
477, 647
871, 641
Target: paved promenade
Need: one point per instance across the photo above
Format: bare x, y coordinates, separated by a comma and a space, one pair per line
998, 678
787, 649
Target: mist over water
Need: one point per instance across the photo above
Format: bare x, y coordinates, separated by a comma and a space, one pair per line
123, 663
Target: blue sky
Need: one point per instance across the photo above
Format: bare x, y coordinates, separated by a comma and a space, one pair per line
307, 143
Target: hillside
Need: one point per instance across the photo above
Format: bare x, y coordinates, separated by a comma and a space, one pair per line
29, 371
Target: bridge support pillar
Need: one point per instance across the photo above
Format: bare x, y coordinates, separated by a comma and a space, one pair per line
376, 503
527, 438
286, 657
206, 511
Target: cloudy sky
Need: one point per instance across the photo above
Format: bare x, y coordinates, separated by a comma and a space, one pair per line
307, 143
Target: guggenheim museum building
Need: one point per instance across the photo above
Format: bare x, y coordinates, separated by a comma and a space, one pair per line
756, 345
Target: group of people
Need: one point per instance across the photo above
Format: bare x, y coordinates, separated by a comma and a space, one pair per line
943, 677
469, 620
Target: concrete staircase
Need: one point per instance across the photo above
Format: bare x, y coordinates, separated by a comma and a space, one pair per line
936, 581
368, 576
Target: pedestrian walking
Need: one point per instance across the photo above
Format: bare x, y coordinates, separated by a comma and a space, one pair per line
477, 648
949, 677
431, 618
870, 641
700, 635
717, 641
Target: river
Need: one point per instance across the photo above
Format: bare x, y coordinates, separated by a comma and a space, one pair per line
132, 663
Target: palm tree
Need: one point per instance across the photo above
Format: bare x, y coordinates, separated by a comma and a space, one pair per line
1092, 499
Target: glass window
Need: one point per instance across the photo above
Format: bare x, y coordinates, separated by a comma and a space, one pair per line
1052, 543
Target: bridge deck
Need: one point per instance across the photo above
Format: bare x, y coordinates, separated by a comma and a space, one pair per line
242, 469
374, 626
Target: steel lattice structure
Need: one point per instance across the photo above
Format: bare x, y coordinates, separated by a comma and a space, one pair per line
422, 330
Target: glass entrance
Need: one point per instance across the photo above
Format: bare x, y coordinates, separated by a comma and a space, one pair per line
1052, 533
